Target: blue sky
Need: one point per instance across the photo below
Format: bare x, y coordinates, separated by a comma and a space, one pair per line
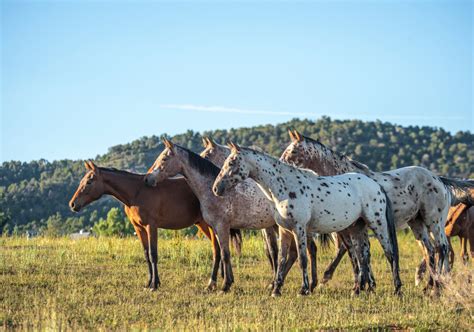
78, 77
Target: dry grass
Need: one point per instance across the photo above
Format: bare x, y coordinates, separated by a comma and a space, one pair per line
97, 284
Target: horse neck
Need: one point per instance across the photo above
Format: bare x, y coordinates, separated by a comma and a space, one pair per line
122, 186
220, 155
326, 162
266, 171
200, 184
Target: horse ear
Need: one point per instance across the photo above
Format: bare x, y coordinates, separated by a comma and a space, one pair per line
86, 164
167, 143
204, 142
235, 147
298, 136
210, 142
292, 137
92, 166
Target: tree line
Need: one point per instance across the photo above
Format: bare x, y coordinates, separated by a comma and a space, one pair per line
34, 195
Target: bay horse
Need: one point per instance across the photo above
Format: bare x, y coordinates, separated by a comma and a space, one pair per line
308, 203
460, 223
420, 199
244, 208
217, 154
172, 205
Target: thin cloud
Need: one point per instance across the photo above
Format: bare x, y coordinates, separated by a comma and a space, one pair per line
223, 109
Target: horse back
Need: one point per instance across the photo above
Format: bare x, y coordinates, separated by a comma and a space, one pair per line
170, 205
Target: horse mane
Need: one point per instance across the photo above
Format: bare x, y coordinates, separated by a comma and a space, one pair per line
204, 166
256, 149
118, 171
357, 164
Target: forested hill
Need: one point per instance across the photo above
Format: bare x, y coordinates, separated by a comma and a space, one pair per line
32, 192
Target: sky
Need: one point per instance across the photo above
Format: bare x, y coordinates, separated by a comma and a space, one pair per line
78, 77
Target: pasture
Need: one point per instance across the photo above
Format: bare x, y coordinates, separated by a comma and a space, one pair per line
95, 283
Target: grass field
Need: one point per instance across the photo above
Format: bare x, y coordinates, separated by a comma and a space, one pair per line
98, 283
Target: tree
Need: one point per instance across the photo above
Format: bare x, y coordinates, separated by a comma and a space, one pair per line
115, 224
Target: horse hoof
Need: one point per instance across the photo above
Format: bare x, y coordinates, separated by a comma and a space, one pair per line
211, 286
276, 294
304, 292
270, 286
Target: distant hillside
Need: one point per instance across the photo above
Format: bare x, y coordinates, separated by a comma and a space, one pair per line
32, 192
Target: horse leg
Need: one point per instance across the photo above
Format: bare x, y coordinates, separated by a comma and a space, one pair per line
285, 243
421, 235
216, 255
471, 242
271, 249
464, 255
216, 260
153, 244
345, 237
420, 271
223, 234
292, 257
341, 251
389, 246
142, 235
360, 241
451, 253
441, 243
312, 251
301, 238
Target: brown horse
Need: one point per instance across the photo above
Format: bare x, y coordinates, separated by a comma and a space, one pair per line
461, 223
171, 205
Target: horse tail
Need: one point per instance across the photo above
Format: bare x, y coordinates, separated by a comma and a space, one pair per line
325, 240
462, 191
236, 238
392, 231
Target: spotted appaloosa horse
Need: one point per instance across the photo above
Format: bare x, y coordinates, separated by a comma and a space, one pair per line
172, 205
243, 208
420, 198
307, 203
217, 154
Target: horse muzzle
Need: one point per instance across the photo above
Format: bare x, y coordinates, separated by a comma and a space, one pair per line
149, 181
74, 206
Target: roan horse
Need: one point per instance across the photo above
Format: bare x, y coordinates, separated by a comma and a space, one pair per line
217, 154
172, 205
420, 198
307, 203
241, 209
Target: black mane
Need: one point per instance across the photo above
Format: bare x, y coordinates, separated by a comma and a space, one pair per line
204, 166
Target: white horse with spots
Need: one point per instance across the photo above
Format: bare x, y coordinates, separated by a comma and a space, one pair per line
217, 154
243, 208
419, 198
307, 203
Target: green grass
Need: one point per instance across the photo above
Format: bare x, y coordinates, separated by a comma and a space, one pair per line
98, 283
